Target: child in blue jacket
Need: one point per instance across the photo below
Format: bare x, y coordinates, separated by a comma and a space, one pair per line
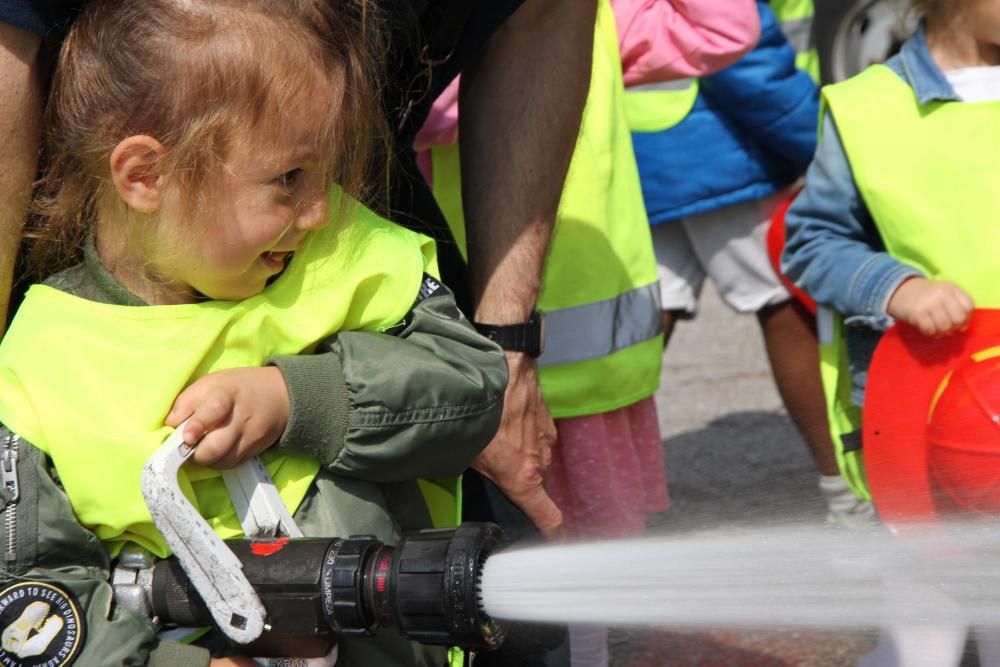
711, 184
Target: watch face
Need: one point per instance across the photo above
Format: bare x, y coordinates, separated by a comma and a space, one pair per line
539, 316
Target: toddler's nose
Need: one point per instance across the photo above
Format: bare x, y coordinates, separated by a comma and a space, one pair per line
314, 215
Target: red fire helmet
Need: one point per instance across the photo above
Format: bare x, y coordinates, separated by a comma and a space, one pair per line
775, 246
931, 424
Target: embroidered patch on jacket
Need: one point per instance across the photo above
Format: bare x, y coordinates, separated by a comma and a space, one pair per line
40, 624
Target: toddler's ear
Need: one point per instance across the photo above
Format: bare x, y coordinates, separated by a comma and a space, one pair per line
136, 174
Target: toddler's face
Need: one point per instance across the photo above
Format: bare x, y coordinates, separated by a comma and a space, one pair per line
271, 193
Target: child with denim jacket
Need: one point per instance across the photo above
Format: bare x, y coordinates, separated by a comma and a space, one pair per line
897, 223
835, 250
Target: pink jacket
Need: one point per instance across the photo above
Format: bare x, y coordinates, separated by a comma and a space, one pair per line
668, 39
659, 40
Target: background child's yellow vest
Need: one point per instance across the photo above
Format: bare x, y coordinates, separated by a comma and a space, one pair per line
656, 107
603, 342
660, 106
928, 175
90, 384
796, 19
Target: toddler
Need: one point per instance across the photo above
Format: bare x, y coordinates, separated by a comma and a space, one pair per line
212, 264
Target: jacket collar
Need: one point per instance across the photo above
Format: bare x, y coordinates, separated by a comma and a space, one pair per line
915, 65
112, 290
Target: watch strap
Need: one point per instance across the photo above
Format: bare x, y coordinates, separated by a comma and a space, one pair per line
527, 337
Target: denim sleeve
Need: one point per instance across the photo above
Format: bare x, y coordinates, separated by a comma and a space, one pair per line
832, 249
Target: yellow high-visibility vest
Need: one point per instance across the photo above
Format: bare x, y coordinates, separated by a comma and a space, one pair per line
655, 107
91, 383
603, 336
796, 20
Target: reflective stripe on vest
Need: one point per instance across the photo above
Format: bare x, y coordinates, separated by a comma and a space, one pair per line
918, 168
600, 261
796, 20
655, 107
86, 381
596, 330
675, 84
798, 32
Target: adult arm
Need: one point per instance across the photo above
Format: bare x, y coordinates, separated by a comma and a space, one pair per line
20, 128
667, 39
421, 401
832, 249
522, 100
768, 97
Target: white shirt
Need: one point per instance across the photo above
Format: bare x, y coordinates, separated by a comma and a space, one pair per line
975, 84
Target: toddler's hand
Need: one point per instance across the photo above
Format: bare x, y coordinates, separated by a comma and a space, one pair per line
232, 415
935, 307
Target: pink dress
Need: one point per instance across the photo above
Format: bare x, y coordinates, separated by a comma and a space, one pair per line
607, 472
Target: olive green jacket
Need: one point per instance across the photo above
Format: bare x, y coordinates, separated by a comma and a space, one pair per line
378, 411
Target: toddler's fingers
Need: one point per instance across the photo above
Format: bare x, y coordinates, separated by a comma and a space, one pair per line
965, 299
181, 409
938, 321
957, 312
209, 414
217, 450
187, 402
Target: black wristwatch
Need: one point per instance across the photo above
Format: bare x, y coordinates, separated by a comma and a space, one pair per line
527, 337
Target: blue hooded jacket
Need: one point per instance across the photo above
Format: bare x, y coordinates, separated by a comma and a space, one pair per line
751, 132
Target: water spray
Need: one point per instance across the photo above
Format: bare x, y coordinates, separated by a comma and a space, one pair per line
779, 576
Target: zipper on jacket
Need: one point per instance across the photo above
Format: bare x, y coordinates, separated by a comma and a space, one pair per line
8, 477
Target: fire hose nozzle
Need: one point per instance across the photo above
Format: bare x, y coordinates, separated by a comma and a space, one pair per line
315, 589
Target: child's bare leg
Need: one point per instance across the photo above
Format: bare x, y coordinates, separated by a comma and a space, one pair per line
790, 339
669, 319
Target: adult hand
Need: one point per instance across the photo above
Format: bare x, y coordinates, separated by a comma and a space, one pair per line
517, 457
233, 414
935, 307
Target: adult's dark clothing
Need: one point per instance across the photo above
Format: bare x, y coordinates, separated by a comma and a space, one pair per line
42, 17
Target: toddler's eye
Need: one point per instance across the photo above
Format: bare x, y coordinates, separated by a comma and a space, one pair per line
288, 179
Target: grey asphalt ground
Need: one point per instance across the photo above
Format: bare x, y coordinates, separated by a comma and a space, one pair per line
732, 454
733, 458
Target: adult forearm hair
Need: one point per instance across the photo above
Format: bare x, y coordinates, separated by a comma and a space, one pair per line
521, 103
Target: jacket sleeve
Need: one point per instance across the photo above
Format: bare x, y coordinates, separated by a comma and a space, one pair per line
669, 39
767, 96
832, 248
420, 401
52, 548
